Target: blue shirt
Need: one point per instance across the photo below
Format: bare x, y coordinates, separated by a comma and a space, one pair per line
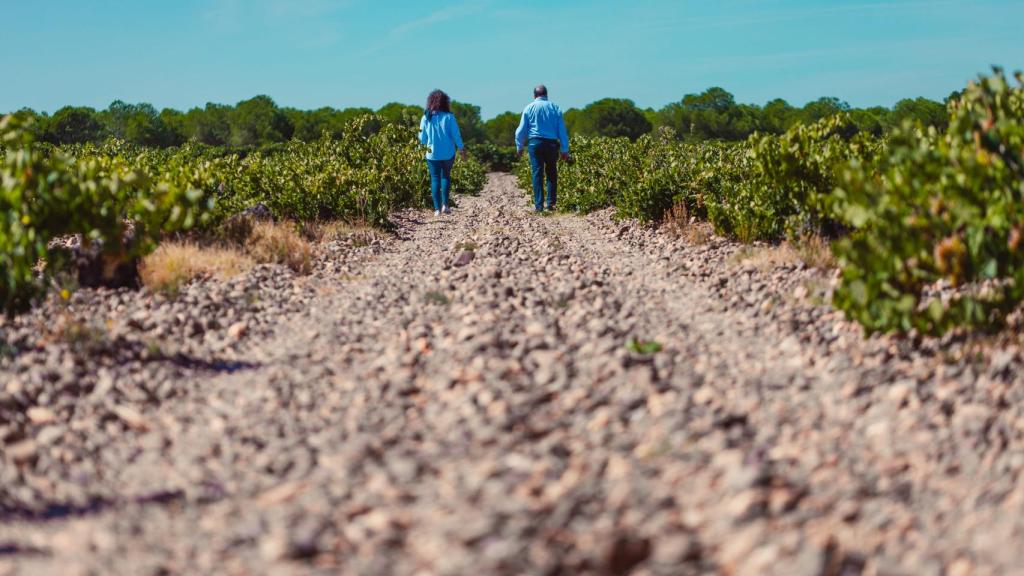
542, 119
441, 133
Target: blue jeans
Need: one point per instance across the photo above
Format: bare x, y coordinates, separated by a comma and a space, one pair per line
440, 181
544, 162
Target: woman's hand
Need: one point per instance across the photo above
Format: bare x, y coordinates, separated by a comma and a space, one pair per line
462, 153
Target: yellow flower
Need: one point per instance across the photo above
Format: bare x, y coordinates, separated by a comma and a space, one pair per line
65, 294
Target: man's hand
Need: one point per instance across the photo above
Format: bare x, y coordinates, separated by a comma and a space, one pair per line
565, 156
462, 153
519, 153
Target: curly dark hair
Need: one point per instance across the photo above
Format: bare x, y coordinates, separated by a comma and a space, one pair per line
438, 101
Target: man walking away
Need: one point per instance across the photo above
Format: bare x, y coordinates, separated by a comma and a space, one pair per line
542, 131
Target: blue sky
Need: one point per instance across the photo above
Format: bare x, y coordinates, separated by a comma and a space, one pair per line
312, 53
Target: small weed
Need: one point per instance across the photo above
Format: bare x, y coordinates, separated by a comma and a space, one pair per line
82, 337
644, 347
562, 303
351, 277
469, 246
7, 351
817, 292
435, 297
154, 350
63, 287
678, 221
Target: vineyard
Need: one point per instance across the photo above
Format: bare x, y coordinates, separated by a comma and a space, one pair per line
910, 214
796, 353
100, 191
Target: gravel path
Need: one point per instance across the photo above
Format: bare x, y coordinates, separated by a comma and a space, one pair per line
500, 393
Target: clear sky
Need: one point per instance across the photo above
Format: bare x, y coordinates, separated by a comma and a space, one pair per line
340, 53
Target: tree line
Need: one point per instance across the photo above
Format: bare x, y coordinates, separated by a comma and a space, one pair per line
258, 122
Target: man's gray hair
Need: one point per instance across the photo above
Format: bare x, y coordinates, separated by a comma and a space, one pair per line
540, 90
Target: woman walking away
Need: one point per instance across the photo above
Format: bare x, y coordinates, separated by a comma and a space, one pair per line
440, 131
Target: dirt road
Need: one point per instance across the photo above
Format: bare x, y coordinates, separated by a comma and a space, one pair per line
495, 392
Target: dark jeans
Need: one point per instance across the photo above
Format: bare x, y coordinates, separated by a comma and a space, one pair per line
440, 181
544, 162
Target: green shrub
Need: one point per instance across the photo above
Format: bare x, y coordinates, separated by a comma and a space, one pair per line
45, 193
786, 183
362, 177
469, 175
102, 190
641, 179
494, 158
945, 209
595, 177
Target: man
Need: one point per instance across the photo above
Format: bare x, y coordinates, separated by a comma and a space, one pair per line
542, 131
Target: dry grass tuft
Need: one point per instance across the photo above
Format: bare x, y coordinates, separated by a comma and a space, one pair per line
677, 219
679, 222
766, 257
280, 243
816, 252
173, 264
813, 251
698, 233
358, 234
82, 336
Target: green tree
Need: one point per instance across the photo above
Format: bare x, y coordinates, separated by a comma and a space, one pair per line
470, 125
311, 124
921, 110
710, 115
745, 120
871, 120
501, 129
571, 117
822, 108
174, 122
71, 125
403, 114
652, 116
612, 117
34, 123
713, 99
136, 123
209, 125
777, 116
257, 122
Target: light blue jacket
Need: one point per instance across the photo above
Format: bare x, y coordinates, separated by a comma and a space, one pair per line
441, 133
542, 119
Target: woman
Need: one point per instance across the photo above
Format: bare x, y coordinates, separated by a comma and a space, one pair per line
440, 131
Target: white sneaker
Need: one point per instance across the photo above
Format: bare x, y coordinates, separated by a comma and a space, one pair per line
437, 213
446, 210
